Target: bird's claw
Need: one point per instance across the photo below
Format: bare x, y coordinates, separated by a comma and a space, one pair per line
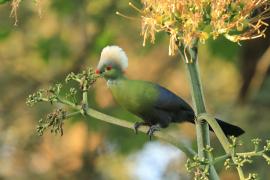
152, 129
137, 125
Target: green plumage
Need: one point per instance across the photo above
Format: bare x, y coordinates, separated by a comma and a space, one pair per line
135, 96
154, 104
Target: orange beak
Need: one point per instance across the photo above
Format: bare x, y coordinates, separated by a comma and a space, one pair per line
97, 71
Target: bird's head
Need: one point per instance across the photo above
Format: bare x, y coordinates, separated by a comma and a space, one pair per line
113, 62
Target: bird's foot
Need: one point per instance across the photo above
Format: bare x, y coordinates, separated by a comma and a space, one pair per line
137, 125
153, 129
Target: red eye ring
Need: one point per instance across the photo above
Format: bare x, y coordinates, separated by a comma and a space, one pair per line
108, 68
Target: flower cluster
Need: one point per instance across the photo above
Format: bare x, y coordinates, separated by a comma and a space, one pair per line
191, 20
42, 95
60, 95
54, 121
86, 78
199, 167
241, 159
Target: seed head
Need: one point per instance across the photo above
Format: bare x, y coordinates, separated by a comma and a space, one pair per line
189, 20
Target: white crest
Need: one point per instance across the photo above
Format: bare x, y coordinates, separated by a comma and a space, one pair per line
113, 54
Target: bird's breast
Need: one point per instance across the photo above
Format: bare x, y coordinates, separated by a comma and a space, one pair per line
133, 96
111, 83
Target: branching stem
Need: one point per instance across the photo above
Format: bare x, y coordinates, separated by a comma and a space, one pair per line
66, 102
221, 158
222, 139
217, 129
72, 114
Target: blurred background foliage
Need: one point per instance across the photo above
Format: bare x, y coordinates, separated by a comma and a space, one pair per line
69, 37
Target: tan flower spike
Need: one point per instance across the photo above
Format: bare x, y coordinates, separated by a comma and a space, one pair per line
189, 20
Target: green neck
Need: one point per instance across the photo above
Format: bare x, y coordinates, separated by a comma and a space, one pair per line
114, 74
115, 78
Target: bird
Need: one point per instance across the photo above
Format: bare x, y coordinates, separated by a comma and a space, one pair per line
157, 106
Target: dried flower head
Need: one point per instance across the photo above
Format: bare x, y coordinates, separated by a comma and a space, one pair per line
189, 20
15, 6
14, 10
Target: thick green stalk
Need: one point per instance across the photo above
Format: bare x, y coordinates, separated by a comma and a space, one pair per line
198, 100
202, 128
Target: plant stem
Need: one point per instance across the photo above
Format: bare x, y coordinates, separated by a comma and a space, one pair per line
85, 97
218, 131
222, 139
198, 101
221, 158
202, 128
252, 153
123, 123
190, 153
72, 114
66, 102
84, 94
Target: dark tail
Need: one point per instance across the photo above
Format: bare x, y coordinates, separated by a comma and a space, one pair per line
229, 129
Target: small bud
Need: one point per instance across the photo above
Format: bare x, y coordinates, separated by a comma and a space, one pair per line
252, 176
256, 141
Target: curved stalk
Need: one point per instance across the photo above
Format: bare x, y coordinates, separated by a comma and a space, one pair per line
126, 124
123, 123
218, 131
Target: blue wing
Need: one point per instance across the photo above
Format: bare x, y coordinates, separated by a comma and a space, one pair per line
169, 101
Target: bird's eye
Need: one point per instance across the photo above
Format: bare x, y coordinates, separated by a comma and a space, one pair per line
108, 68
